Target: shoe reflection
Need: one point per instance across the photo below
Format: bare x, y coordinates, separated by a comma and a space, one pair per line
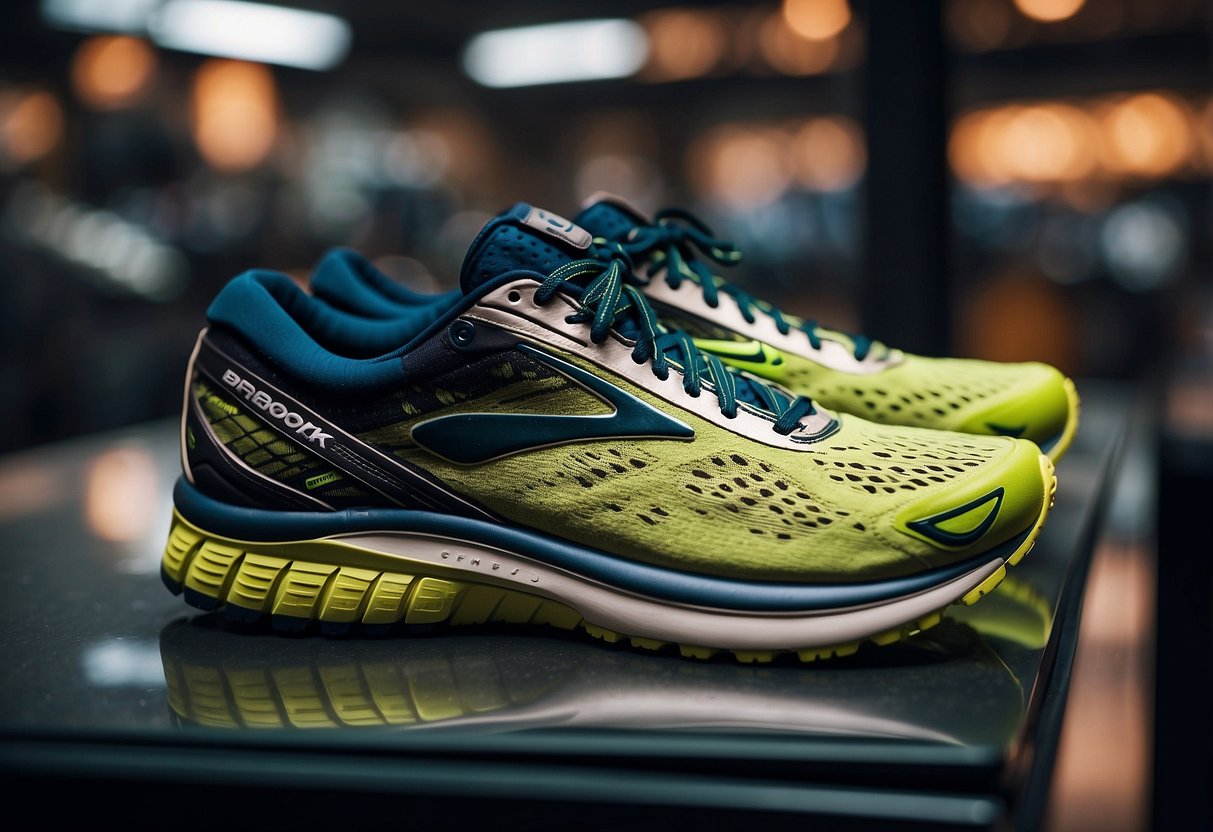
950, 684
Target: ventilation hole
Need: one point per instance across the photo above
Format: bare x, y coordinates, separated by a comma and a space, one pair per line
781, 485
694, 488
617, 468
871, 489
592, 455
613, 507
861, 527
783, 536
636, 463
757, 531
660, 511
703, 475
858, 465
583, 482
647, 519
766, 492
598, 472
825, 521
749, 501
718, 461
776, 509
724, 486
740, 460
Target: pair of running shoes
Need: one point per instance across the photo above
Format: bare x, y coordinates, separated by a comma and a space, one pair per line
595, 431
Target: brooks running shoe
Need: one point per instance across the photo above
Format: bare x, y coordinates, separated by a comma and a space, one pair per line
544, 451
850, 373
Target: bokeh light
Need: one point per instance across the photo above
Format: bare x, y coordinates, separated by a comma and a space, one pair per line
790, 54
235, 114
1019, 316
111, 72
1147, 135
31, 126
683, 43
817, 19
120, 487
741, 167
828, 154
1049, 11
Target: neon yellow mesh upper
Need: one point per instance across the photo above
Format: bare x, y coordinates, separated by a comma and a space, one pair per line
724, 504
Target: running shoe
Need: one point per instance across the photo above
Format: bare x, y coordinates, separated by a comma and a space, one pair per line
545, 451
677, 254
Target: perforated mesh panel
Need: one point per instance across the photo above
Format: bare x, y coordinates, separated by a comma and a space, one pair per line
921, 391
509, 248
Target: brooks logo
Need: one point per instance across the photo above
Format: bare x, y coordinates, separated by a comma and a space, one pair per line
277, 410
472, 438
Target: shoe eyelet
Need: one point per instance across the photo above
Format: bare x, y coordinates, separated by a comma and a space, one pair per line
462, 333
514, 296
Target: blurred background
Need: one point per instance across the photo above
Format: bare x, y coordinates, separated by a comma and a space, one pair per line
1008, 179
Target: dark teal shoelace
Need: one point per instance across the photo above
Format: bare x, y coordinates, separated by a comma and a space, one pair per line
674, 238
610, 296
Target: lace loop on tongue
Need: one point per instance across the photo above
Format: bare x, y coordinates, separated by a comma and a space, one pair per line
610, 294
672, 241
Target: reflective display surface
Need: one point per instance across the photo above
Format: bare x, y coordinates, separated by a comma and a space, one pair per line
93, 645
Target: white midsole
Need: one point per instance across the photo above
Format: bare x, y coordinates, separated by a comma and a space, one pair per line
638, 615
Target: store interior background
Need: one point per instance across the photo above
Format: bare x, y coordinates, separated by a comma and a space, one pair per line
1042, 193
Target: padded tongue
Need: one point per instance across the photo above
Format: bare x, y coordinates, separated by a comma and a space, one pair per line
610, 217
523, 238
